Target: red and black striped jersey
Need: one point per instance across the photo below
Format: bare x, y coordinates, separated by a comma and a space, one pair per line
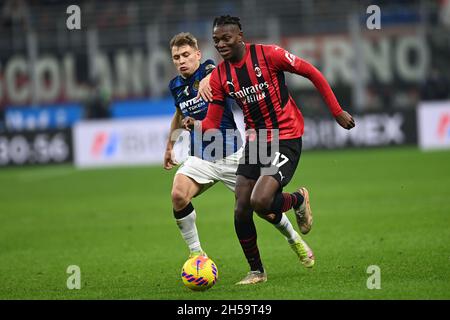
257, 83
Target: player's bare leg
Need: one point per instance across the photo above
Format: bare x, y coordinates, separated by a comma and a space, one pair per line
183, 190
263, 195
270, 204
246, 231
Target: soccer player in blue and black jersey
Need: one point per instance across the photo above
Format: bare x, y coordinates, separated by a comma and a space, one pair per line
201, 169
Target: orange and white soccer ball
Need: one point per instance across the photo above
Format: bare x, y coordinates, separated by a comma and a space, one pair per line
199, 273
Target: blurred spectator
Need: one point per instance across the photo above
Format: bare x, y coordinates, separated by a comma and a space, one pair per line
168, 11
386, 96
444, 13
132, 12
405, 98
436, 86
373, 99
15, 13
109, 15
97, 105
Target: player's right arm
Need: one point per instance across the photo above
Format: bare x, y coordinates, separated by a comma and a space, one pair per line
175, 124
215, 108
285, 61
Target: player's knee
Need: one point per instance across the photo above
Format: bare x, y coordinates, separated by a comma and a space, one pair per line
261, 204
242, 212
180, 198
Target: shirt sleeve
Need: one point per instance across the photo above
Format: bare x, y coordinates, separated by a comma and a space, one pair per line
283, 60
217, 106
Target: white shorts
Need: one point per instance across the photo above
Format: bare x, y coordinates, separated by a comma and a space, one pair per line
207, 173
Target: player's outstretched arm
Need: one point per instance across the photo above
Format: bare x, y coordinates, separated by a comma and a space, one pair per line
215, 108
211, 121
285, 61
345, 120
342, 117
204, 89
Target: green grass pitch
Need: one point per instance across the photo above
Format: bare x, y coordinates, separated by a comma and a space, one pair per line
384, 207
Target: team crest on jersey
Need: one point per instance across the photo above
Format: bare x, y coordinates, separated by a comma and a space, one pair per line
258, 71
196, 84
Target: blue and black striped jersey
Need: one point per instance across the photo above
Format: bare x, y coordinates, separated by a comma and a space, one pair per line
184, 92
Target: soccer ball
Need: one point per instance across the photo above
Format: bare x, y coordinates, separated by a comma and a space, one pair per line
199, 273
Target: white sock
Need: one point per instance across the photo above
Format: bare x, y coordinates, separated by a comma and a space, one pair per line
188, 231
286, 228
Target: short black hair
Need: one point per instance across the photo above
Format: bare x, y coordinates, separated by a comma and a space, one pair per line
223, 20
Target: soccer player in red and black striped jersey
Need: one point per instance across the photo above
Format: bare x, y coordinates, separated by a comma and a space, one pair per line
253, 75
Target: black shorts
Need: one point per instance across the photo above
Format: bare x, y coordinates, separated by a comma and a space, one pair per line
279, 164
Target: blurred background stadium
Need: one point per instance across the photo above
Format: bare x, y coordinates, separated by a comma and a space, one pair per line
118, 65
98, 96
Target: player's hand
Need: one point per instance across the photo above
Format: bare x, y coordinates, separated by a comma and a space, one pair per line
345, 120
169, 162
204, 90
188, 123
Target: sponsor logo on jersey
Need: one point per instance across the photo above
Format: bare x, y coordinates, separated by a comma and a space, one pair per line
251, 94
192, 104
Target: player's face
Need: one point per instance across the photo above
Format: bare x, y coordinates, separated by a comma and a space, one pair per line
186, 59
228, 41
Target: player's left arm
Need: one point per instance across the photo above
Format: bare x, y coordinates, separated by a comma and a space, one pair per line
215, 108
204, 88
285, 61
